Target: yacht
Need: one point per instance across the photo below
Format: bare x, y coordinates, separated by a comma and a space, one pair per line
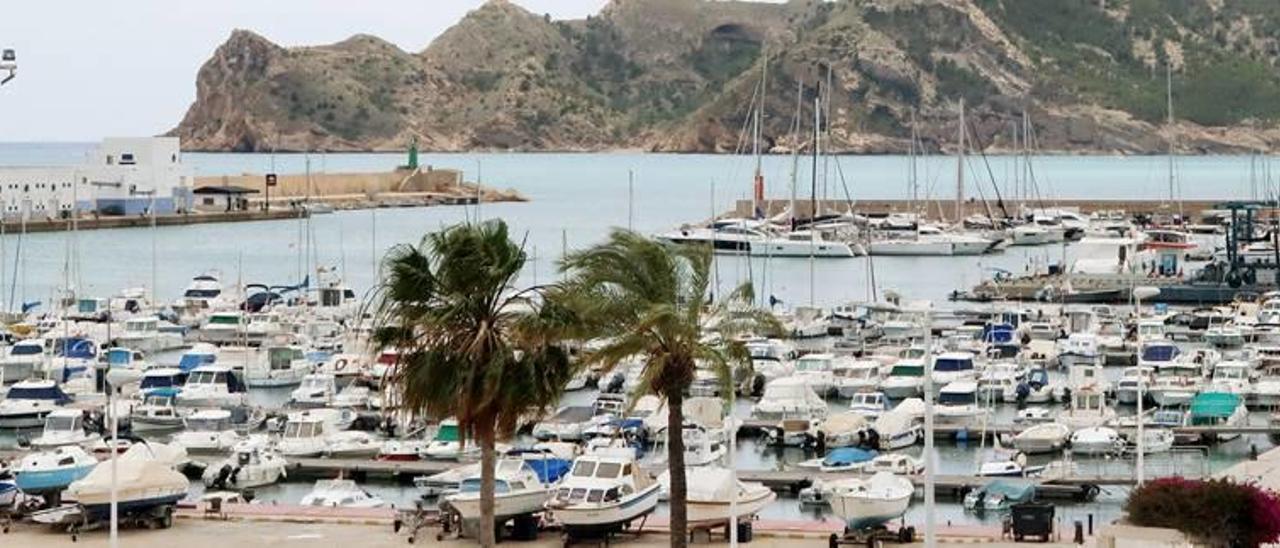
27, 403
252, 464
715, 494
284, 365
223, 327
340, 493
905, 380
958, 405
199, 354
932, 241
852, 377
209, 431
212, 386
518, 491
816, 371
145, 334
750, 237
69, 358
702, 446
22, 360
316, 390
311, 433
950, 367
203, 294
64, 427
603, 493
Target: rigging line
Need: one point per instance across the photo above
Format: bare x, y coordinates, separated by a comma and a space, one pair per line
986, 162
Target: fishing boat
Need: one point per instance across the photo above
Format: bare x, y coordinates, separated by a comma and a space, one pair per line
49, 472
1042, 438
870, 502
712, 492
27, 403
603, 493
517, 491
207, 430
252, 463
64, 427
340, 493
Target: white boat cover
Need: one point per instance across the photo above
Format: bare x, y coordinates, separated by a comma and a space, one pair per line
136, 478
171, 455
893, 422
842, 423
706, 484
912, 407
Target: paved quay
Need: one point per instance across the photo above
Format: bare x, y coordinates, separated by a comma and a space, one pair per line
193, 533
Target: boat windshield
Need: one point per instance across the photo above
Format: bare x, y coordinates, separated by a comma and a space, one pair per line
59, 424
907, 371
957, 398
207, 424
192, 360
158, 400
1159, 353
301, 429
952, 364
812, 364
283, 357
37, 393
208, 377
160, 381
25, 350
472, 485
223, 319
196, 293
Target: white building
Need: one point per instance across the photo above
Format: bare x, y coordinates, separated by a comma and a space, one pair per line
123, 176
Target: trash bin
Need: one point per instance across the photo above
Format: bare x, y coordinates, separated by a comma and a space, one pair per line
744, 530
1032, 519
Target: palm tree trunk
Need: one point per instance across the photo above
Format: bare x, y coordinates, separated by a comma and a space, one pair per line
678, 498
488, 461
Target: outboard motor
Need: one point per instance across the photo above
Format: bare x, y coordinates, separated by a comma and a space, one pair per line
615, 384
224, 474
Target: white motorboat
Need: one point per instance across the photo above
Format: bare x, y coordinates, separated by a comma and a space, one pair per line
252, 464
958, 405
340, 493
853, 377
1127, 386
950, 367
352, 396
223, 327
932, 241
64, 427
309, 433
999, 378
713, 490
445, 482
52, 471
207, 430
1096, 440
213, 386
702, 446
604, 492
869, 404
816, 370
1157, 440
517, 492
770, 358
351, 445
22, 360
203, 294
157, 412
199, 354
145, 334
284, 365
567, 424
1033, 415
316, 390
871, 502
447, 444
1088, 408
905, 380
1232, 377
166, 379
898, 429
789, 398
1042, 438
750, 237
895, 463
27, 403
1003, 463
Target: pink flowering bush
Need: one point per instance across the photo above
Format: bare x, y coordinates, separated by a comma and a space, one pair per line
1217, 512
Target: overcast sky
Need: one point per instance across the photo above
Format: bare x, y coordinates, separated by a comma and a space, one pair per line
95, 68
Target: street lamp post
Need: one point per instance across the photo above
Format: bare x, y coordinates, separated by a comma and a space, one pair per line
1139, 293
930, 533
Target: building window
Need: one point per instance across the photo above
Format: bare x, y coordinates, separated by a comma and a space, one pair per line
111, 160
126, 159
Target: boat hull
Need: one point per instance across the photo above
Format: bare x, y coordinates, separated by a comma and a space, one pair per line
51, 480
505, 505
709, 513
597, 520
863, 512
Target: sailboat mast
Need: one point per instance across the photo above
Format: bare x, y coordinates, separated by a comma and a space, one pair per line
757, 183
913, 182
1168, 88
960, 168
795, 149
813, 185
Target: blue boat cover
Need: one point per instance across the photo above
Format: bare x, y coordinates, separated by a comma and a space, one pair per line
1160, 353
192, 360
74, 347
845, 456
549, 470
43, 393
952, 364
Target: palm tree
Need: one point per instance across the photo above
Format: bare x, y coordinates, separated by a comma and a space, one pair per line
470, 345
650, 299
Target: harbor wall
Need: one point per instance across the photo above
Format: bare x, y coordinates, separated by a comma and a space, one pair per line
297, 185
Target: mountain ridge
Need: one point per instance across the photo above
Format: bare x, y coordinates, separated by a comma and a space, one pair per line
681, 76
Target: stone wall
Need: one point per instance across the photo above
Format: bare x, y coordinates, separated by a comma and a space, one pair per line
320, 185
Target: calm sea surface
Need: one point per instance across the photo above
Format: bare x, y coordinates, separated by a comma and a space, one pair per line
575, 200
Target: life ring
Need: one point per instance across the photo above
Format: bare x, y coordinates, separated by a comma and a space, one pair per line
340, 364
